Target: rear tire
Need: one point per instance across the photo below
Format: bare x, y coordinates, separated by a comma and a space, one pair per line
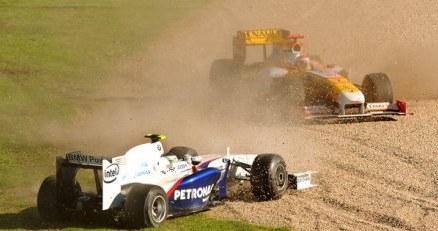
47, 200
269, 178
377, 87
146, 206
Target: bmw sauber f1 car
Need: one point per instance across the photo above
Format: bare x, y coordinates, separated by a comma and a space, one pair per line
146, 185
321, 90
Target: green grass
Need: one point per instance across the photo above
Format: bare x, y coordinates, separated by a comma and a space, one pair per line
28, 219
53, 55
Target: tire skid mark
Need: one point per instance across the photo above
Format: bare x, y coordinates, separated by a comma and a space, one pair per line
396, 150
368, 215
348, 217
382, 157
344, 211
398, 195
398, 190
349, 168
377, 180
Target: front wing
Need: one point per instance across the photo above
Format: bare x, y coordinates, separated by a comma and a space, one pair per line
371, 109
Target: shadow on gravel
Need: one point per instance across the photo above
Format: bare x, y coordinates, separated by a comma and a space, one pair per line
29, 219
349, 120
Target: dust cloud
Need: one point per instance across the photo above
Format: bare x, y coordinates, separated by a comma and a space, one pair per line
414, 74
362, 166
166, 90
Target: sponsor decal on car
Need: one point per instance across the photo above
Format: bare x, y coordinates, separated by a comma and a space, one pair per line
385, 106
143, 172
303, 178
110, 173
183, 166
177, 168
262, 33
192, 193
80, 158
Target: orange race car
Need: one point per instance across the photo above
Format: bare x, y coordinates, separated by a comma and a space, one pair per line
323, 91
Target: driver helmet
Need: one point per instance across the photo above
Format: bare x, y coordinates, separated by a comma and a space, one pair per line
303, 62
289, 55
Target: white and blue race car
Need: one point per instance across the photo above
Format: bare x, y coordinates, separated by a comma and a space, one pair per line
146, 185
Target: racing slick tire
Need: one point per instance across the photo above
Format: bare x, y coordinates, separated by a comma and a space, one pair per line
51, 205
181, 152
224, 75
146, 206
377, 87
269, 179
47, 200
68, 201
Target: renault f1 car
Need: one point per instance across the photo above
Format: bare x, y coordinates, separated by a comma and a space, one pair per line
146, 185
321, 90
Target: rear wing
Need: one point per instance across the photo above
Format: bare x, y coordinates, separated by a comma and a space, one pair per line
264, 37
81, 160
255, 38
67, 168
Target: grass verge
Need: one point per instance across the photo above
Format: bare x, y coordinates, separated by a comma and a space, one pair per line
55, 53
28, 219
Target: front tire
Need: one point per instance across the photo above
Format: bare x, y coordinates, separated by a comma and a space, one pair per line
269, 178
377, 87
146, 206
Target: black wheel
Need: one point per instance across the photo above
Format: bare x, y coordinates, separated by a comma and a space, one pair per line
269, 179
47, 200
146, 206
67, 202
224, 75
180, 152
377, 87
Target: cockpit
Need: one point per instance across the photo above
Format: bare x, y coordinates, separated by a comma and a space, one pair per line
309, 63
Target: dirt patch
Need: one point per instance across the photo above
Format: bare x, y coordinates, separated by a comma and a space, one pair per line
379, 175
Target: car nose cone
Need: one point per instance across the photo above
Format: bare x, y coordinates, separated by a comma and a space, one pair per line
351, 98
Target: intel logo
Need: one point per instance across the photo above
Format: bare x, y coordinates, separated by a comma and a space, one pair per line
110, 173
